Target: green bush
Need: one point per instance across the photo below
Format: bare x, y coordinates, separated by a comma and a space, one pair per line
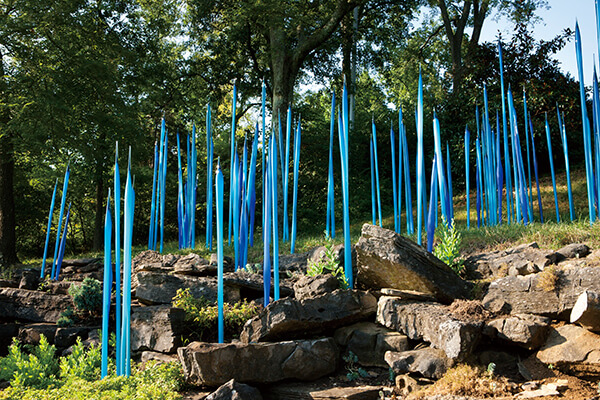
203, 315
448, 250
87, 297
328, 264
66, 318
37, 369
81, 363
34, 377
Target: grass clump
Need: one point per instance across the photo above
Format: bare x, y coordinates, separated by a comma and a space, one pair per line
548, 278
466, 380
328, 264
202, 315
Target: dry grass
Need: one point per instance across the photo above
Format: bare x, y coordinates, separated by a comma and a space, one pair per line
548, 278
466, 380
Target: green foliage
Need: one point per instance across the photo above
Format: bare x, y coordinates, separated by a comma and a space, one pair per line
34, 376
203, 315
66, 318
328, 264
37, 369
354, 372
81, 363
448, 250
87, 297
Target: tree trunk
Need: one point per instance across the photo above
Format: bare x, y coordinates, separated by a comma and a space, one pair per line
8, 240
98, 240
283, 75
8, 249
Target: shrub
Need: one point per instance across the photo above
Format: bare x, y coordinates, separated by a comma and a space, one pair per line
66, 318
37, 369
81, 363
448, 250
328, 264
203, 315
87, 297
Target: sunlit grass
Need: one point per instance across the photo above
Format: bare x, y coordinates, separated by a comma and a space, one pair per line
548, 235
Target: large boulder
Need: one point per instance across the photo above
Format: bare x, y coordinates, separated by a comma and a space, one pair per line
386, 259
32, 305
290, 318
156, 328
369, 342
550, 293
31, 334
430, 322
160, 288
212, 364
524, 330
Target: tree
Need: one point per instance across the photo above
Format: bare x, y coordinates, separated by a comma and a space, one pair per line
250, 40
458, 15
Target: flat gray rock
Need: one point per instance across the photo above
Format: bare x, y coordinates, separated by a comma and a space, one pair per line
213, 364
156, 328
290, 318
524, 330
32, 305
429, 362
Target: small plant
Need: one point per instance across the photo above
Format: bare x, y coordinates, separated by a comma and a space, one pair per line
354, 372
87, 297
66, 318
328, 264
253, 268
203, 315
45, 284
448, 250
491, 369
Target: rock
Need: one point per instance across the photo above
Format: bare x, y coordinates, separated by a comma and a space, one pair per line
313, 286
294, 263
158, 357
227, 262
431, 322
586, 311
31, 334
29, 279
67, 336
9, 283
407, 294
79, 262
233, 390
322, 391
193, 264
156, 328
532, 295
545, 390
387, 260
369, 342
289, 318
429, 362
520, 260
573, 250
93, 267
213, 364
32, 305
524, 330
406, 384
155, 288
570, 344
251, 285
